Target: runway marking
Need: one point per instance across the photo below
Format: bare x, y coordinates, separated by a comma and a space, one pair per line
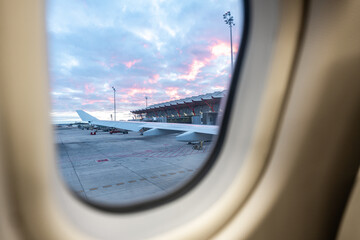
102, 160
173, 152
165, 153
133, 181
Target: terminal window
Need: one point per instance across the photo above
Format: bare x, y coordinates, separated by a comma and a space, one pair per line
138, 89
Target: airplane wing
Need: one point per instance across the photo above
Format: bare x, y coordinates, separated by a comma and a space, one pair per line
188, 132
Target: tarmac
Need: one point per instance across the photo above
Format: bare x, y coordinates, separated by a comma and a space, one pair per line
122, 169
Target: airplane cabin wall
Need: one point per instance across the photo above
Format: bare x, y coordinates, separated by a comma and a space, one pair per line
306, 186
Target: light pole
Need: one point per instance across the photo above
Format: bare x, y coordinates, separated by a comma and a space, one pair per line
114, 104
146, 98
230, 21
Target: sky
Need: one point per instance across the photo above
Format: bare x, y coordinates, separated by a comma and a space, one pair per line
161, 49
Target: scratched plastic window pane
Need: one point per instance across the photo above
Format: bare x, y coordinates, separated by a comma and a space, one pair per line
149, 78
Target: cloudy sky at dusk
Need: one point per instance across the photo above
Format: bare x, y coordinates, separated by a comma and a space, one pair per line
162, 49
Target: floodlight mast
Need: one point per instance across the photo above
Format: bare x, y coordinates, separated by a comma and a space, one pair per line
229, 20
114, 104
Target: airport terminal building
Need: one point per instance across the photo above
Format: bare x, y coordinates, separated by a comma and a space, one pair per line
202, 109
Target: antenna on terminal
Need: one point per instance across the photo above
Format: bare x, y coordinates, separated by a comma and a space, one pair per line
146, 100
114, 103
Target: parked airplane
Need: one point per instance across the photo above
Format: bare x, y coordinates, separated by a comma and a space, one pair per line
190, 132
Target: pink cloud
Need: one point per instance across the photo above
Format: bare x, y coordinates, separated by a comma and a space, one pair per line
222, 49
134, 91
172, 92
87, 101
145, 45
122, 98
222, 73
188, 92
216, 50
132, 63
109, 64
154, 79
89, 89
194, 70
218, 88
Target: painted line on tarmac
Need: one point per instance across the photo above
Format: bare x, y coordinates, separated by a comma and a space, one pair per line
168, 153
134, 181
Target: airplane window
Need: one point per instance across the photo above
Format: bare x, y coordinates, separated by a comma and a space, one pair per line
138, 91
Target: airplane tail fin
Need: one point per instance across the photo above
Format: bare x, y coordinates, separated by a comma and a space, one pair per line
85, 116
